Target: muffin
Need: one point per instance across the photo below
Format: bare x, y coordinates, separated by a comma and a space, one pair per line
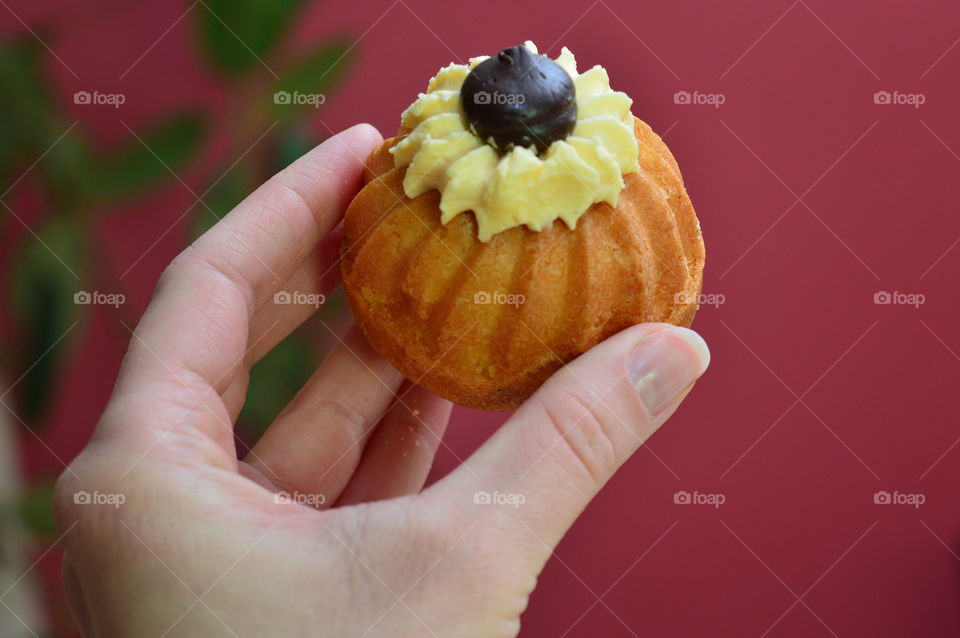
520, 216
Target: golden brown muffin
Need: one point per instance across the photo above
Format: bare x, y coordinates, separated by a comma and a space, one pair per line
484, 324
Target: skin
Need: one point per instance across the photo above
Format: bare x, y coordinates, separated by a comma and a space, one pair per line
201, 544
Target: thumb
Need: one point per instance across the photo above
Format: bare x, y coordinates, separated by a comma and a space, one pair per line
543, 467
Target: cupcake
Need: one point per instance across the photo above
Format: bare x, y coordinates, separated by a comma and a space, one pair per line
521, 215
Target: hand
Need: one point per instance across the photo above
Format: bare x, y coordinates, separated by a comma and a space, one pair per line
180, 538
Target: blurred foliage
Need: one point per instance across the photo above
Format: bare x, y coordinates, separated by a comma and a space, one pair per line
25, 114
171, 143
238, 34
274, 381
314, 74
73, 179
43, 290
35, 508
242, 42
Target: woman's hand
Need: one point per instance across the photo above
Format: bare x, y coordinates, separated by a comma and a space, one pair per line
169, 534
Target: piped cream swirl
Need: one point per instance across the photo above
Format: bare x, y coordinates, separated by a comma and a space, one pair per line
519, 187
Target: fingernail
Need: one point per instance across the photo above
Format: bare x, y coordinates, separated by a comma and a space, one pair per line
665, 363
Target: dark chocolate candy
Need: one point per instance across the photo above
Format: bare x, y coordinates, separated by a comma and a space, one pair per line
519, 98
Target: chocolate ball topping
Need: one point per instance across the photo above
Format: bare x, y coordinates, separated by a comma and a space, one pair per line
519, 98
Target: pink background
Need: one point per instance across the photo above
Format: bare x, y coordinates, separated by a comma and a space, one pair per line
812, 199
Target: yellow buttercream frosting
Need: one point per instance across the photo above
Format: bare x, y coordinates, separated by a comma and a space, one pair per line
519, 187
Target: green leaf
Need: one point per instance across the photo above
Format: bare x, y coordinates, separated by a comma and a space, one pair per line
36, 510
144, 162
305, 86
239, 34
25, 111
274, 381
289, 143
66, 172
29, 128
46, 278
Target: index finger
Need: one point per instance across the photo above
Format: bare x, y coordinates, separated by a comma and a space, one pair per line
198, 319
